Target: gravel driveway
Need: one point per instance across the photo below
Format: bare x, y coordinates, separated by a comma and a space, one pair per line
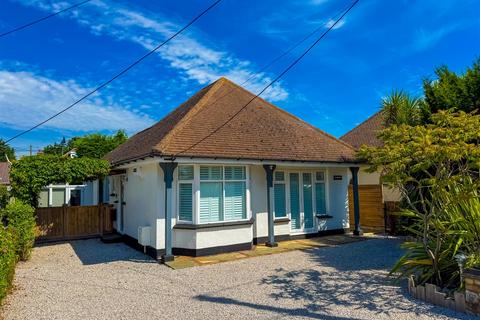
91, 280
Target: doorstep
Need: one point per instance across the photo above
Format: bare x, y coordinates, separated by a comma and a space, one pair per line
182, 262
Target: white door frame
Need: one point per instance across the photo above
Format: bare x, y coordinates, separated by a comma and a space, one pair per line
302, 229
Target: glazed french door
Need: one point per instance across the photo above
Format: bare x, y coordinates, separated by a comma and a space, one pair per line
301, 201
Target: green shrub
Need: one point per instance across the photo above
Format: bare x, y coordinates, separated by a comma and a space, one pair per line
4, 196
8, 258
21, 217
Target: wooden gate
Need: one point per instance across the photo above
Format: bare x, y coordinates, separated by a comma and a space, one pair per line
77, 222
372, 214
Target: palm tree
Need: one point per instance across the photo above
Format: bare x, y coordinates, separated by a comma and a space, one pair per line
399, 108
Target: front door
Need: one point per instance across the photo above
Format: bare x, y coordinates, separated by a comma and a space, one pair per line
301, 202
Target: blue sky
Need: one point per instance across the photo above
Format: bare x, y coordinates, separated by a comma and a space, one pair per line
380, 46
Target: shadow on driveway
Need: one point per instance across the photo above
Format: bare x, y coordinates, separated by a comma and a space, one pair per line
93, 251
352, 276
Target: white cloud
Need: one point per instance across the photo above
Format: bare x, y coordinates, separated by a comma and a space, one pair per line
27, 98
330, 23
193, 59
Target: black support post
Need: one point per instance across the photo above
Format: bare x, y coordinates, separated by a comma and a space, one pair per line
356, 201
168, 168
269, 169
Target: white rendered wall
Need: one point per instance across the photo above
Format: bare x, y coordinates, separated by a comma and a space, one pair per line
142, 197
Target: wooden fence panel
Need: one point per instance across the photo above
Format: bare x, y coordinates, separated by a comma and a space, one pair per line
50, 223
67, 223
372, 215
82, 221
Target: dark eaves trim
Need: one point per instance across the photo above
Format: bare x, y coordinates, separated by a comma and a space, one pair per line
170, 157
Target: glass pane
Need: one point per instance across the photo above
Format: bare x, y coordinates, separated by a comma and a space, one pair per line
280, 209
234, 173
211, 173
279, 176
320, 176
307, 200
295, 200
211, 199
75, 197
185, 202
43, 199
58, 197
320, 198
185, 172
235, 201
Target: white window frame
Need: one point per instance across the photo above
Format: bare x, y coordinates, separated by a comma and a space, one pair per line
313, 171
68, 189
177, 192
196, 192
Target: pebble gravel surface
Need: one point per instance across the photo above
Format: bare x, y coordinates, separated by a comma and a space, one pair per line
88, 279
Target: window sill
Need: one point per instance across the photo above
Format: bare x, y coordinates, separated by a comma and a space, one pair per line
191, 226
281, 220
324, 216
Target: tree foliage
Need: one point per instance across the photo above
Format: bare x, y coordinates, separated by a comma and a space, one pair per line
4, 196
436, 167
454, 91
30, 174
449, 91
6, 151
95, 145
400, 108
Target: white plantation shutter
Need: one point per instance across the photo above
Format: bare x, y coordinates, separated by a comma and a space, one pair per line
211, 173
280, 209
211, 200
185, 172
234, 173
185, 202
234, 201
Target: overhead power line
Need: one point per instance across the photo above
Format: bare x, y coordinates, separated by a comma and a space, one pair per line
277, 58
43, 19
288, 68
125, 70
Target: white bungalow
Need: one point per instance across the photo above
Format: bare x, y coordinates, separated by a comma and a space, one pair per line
227, 177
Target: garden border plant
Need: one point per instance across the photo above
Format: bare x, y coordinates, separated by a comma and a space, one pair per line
17, 235
436, 167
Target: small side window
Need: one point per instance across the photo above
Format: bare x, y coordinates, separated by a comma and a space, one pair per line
185, 172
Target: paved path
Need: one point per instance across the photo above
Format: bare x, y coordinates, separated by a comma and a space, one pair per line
91, 280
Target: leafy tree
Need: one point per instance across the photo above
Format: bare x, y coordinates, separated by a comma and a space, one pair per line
436, 167
58, 148
97, 145
30, 174
453, 91
6, 151
400, 108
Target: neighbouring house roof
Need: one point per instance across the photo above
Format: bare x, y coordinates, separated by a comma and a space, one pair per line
366, 132
261, 131
4, 173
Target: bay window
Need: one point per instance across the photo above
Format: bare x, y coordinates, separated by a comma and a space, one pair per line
221, 193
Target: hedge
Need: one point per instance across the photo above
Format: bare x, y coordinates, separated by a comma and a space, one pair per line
17, 235
21, 217
8, 259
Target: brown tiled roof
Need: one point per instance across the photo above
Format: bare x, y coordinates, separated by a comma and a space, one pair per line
4, 173
261, 131
366, 133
